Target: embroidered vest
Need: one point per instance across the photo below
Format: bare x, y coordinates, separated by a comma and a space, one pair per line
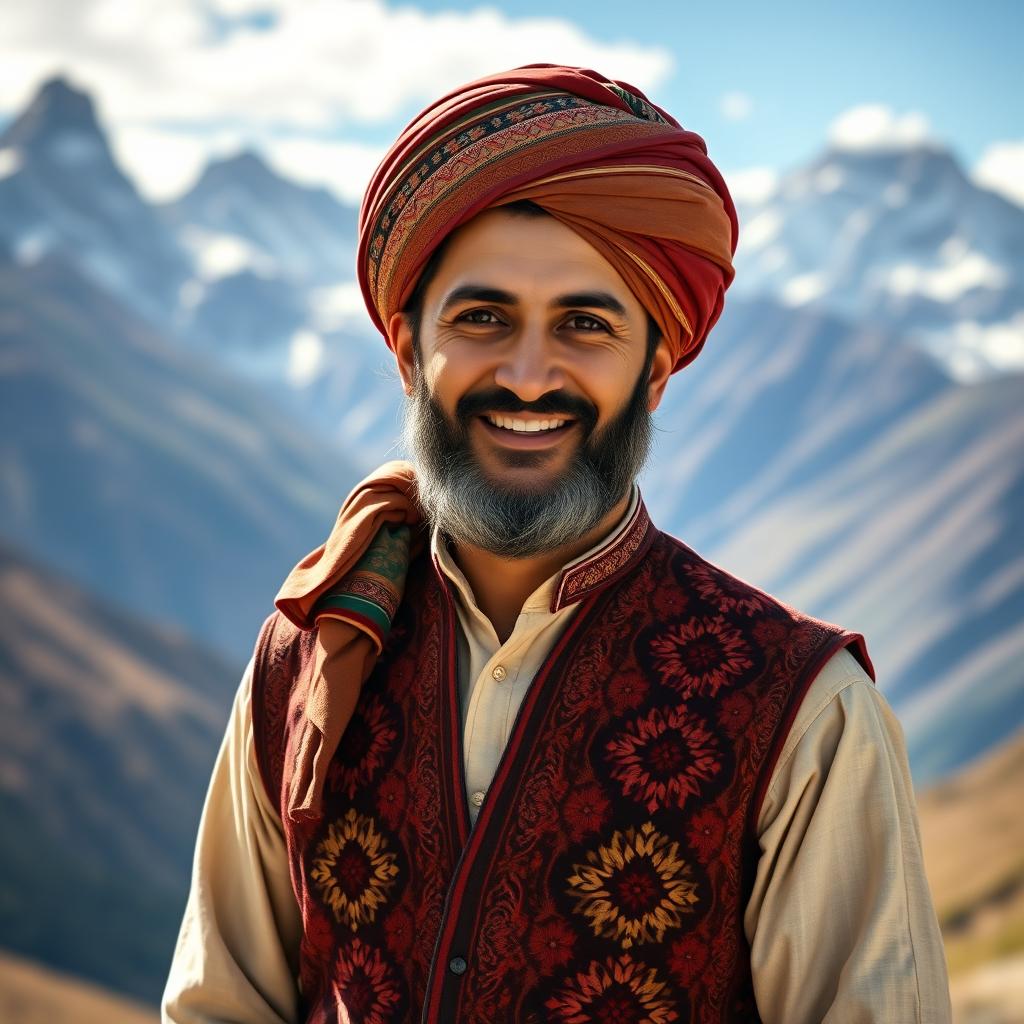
608, 871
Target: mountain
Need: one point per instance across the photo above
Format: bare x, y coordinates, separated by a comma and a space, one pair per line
61, 192
895, 238
915, 541
972, 835
276, 227
268, 257
777, 398
145, 473
109, 732
246, 316
32, 994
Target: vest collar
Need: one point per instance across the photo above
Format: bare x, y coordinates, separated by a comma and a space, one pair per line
612, 560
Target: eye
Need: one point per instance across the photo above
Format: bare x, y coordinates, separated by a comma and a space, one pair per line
587, 323
478, 316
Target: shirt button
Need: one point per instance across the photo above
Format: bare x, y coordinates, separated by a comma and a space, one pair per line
457, 965
478, 797
498, 672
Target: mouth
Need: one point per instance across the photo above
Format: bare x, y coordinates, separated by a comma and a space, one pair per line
526, 432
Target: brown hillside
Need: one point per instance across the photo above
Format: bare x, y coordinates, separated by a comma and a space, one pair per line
973, 836
30, 994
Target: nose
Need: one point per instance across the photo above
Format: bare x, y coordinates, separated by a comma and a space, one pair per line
530, 366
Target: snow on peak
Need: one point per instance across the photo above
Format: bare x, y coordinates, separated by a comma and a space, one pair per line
828, 178
10, 162
945, 283
761, 230
220, 254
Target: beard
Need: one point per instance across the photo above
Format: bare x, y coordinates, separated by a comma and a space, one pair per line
514, 521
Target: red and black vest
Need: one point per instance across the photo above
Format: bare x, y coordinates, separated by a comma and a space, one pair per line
607, 874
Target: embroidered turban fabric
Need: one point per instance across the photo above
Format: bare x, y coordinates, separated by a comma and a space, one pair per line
593, 152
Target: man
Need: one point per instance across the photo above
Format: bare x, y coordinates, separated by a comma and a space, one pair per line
505, 751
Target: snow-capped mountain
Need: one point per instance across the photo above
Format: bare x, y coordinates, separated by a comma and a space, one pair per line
62, 192
800, 384
241, 214
145, 472
898, 238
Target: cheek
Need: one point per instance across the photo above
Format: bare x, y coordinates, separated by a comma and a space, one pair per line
609, 385
450, 375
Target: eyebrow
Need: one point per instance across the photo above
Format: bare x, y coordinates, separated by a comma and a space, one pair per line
484, 293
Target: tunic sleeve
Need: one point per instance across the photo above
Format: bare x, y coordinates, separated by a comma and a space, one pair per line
841, 923
236, 957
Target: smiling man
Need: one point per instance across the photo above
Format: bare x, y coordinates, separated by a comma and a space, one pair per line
505, 751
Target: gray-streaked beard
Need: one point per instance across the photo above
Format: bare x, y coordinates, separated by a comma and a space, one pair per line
512, 522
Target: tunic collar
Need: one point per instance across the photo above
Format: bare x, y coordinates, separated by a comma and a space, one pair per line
603, 563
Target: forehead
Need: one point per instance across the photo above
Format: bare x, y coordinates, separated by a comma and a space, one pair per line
535, 257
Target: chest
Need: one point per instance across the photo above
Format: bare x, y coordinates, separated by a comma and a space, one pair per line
615, 841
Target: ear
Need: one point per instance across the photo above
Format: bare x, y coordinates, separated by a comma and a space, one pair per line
661, 370
400, 339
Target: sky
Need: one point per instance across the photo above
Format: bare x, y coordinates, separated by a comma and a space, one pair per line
322, 87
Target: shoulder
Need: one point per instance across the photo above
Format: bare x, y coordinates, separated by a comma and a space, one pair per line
843, 723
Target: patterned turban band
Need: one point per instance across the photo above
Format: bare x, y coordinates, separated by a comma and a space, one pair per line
595, 153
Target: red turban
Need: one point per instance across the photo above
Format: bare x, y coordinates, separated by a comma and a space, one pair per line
594, 153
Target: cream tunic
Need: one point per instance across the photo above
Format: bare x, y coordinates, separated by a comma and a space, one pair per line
840, 922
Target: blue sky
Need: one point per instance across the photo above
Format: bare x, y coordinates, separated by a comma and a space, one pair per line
321, 87
804, 63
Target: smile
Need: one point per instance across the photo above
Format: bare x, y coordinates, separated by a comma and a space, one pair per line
513, 432
521, 426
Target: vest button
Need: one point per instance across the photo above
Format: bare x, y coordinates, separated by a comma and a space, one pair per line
498, 672
478, 797
457, 965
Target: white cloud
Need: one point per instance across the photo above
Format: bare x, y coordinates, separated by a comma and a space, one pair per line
805, 288
736, 106
163, 164
1001, 169
751, 185
337, 306
305, 357
874, 126
175, 76
344, 167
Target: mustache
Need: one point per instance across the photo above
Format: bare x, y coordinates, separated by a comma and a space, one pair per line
551, 404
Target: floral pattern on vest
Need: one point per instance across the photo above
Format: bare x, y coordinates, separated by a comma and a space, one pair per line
610, 865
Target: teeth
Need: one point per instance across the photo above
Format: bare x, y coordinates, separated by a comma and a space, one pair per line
525, 426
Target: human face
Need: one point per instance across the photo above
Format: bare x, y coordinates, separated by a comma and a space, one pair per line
524, 323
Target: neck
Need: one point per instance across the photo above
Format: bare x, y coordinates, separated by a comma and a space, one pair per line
502, 585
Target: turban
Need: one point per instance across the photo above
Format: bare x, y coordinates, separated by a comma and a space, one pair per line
594, 153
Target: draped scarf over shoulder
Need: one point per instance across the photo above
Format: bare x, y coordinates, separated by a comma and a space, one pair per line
594, 153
